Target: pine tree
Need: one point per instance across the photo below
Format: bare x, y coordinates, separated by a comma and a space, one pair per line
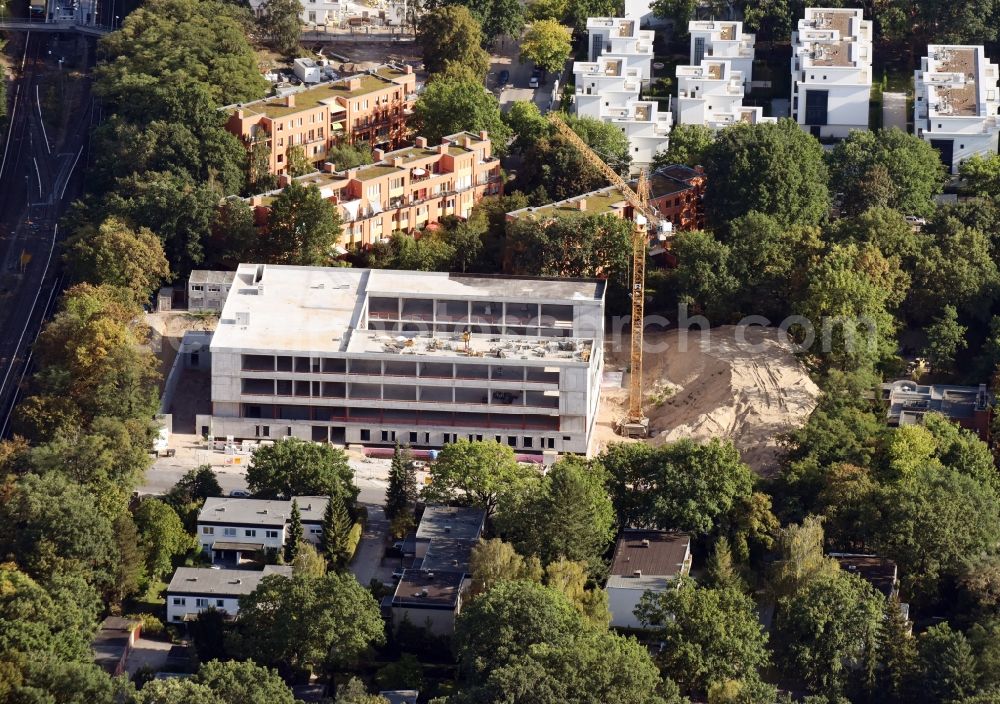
721, 571
401, 493
294, 536
897, 654
336, 533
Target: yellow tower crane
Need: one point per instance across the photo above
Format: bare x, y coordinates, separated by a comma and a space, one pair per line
635, 422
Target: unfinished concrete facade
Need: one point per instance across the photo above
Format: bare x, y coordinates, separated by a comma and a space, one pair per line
378, 357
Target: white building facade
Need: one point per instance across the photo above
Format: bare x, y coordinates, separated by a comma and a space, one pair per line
711, 39
957, 102
621, 37
424, 358
711, 94
608, 86
233, 529
831, 69
193, 590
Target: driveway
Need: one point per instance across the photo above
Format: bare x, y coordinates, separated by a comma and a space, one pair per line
517, 86
894, 110
151, 654
367, 563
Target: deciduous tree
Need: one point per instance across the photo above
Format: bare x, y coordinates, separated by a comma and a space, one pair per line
910, 165
494, 561
568, 514
688, 146
772, 168
296, 467
117, 255
482, 473
547, 44
945, 337
235, 682
162, 535
451, 105
281, 24
451, 35
303, 227
711, 635
828, 622
298, 621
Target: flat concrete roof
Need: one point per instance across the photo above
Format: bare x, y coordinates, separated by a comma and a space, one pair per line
207, 276
952, 79
420, 588
315, 309
204, 580
260, 511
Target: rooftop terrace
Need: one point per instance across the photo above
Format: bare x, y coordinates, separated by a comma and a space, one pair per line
952, 81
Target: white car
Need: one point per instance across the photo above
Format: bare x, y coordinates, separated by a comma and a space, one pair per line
533, 81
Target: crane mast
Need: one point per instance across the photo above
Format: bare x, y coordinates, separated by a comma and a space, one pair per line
635, 422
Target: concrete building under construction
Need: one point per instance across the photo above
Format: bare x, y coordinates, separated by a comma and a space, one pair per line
425, 358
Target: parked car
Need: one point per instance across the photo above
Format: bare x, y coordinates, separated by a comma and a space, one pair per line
239, 494
419, 464
535, 79
504, 78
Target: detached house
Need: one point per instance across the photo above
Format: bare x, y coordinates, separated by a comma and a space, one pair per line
644, 561
232, 530
193, 590
711, 94
724, 41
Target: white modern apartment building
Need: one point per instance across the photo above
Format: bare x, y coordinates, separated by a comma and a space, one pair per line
193, 590
231, 529
621, 36
424, 358
832, 71
712, 39
604, 84
608, 86
646, 128
711, 94
957, 102
314, 12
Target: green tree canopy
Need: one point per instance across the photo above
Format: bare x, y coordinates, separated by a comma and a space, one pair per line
38, 622
280, 22
931, 523
710, 635
688, 145
494, 561
772, 168
55, 527
499, 18
92, 363
946, 665
500, 626
162, 535
570, 245
115, 254
296, 467
450, 35
451, 105
486, 474
547, 44
243, 683
402, 493
297, 621
303, 227
911, 167
568, 514
981, 174
830, 621
700, 488
945, 337
138, 75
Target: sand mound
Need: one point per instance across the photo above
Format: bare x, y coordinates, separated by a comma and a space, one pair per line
742, 384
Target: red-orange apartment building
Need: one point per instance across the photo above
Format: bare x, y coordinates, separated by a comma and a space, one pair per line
676, 192
373, 107
407, 189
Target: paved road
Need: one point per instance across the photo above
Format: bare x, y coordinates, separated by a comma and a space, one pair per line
517, 87
38, 179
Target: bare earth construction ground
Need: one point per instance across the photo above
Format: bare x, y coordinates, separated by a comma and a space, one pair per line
741, 384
